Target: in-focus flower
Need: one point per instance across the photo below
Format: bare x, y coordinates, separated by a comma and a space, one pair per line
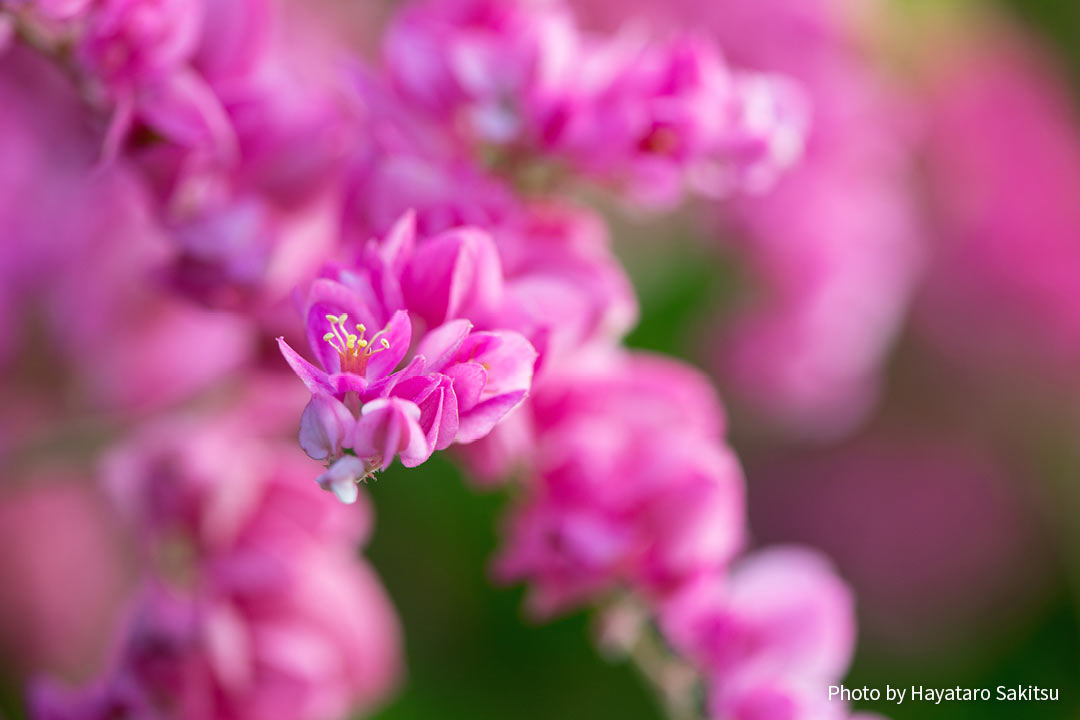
455, 383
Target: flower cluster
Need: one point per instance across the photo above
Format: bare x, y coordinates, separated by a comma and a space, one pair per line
454, 295
632, 483
651, 119
237, 128
252, 603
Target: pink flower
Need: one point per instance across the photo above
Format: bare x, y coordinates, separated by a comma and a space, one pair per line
565, 289
629, 486
132, 41
456, 384
769, 638
520, 81
254, 603
493, 70
663, 118
781, 612
133, 347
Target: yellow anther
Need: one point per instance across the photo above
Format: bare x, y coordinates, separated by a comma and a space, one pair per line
353, 349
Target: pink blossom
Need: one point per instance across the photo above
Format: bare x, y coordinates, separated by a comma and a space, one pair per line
456, 384
493, 70
129, 346
781, 612
254, 605
834, 250
621, 492
664, 118
131, 41
653, 119
769, 638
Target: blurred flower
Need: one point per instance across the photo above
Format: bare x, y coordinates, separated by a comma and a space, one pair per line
254, 604
1004, 210
662, 118
834, 250
111, 335
627, 484
496, 71
782, 611
521, 83
130, 41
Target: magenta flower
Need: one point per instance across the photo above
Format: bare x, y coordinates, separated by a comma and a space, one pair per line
565, 289
127, 42
665, 118
494, 70
769, 638
632, 485
782, 611
456, 384
520, 81
254, 603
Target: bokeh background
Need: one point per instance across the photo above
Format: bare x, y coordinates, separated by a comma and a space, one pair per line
950, 499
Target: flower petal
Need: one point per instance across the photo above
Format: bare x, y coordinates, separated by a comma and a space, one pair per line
341, 479
315, 379
324, 425
398, 336
439, 345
